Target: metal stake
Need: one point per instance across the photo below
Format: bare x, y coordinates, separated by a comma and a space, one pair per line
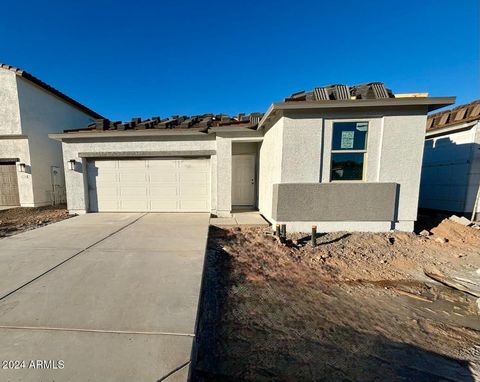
277, 230
314, 235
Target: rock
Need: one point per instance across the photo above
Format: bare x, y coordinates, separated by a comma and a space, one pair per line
460, 220
478, 271
441, 240
425, 233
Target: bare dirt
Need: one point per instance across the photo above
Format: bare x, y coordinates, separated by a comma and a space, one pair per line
358, 307
21, 219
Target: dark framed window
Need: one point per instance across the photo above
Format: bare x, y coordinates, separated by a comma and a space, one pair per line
349, 150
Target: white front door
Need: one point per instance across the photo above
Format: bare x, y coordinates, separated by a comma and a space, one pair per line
243, 180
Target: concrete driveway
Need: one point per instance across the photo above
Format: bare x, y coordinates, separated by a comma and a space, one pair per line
113, 296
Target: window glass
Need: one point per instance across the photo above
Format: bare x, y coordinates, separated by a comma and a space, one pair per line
349, 136
347, 166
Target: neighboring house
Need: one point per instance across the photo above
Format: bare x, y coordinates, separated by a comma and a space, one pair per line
31, 165
451, 161
343, 158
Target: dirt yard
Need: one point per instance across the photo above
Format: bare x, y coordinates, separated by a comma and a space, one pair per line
17, 220
358, 307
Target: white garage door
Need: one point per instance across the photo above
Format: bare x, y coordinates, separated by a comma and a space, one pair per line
157, 185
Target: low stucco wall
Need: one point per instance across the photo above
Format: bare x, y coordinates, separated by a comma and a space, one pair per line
318, 202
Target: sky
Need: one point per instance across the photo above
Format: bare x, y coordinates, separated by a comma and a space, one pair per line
141, 58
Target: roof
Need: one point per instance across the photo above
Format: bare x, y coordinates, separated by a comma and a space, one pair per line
22, 73
460, 114
202, 123
371, 90
371, 94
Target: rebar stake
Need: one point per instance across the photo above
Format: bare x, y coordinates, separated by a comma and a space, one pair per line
277, 230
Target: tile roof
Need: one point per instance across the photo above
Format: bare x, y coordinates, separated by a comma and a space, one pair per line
203, 123
22, 73
372, 90
460, 114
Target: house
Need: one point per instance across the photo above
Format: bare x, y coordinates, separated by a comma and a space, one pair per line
341, 157
31, 164
451, 161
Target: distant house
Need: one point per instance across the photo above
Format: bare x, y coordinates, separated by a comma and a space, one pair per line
341, 157
451, 161
31, 165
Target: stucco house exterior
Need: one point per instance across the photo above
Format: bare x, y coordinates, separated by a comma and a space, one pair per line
31, 164
341, 157
451, 162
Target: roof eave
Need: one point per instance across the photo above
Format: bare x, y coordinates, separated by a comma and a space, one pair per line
34, 80
432, 103
129, 133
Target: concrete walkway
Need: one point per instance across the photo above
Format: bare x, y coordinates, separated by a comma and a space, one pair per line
241, 218
113, 296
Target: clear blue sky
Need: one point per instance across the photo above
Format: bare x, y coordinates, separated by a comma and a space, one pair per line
147, 58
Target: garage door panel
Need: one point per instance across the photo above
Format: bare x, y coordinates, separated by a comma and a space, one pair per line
194, 165
193, 205
164, 205
194, 192
132, 178
162, 191
159, 185
132, 164
132, 193
192, 178
163, 177
163, 165
127, 205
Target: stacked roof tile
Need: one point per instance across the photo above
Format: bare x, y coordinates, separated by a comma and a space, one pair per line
460, 114
201, 122
372, 90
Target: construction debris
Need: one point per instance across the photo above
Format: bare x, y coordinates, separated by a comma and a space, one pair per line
460, 220
450, 282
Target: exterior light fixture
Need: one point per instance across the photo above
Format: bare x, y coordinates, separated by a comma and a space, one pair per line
71, 164
22, 167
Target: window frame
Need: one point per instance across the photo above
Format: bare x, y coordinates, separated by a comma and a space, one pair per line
352, 151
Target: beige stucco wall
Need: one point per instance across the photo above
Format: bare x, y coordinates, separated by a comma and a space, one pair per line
9, 107
42, 113
401, 159
270, 166
394, 154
